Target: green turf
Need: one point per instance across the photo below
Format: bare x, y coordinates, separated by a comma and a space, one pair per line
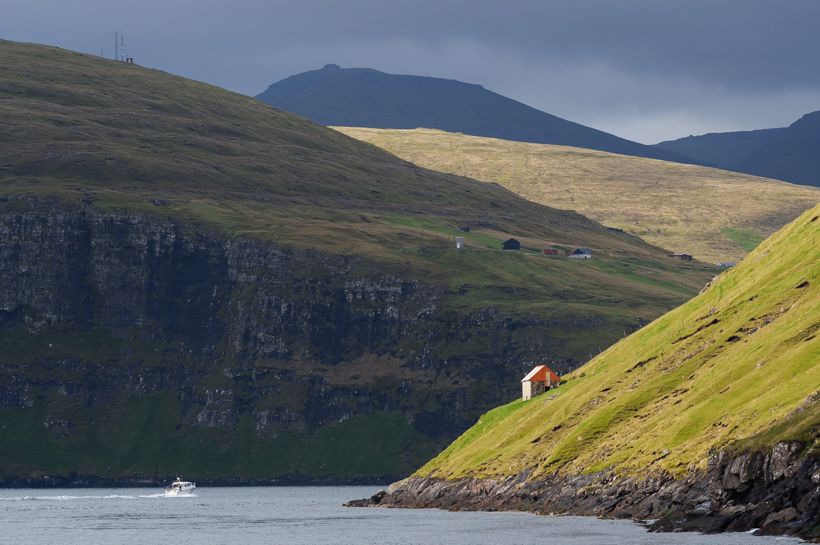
736, 367
747, 239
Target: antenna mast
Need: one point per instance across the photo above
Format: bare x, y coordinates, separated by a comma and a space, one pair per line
116, 43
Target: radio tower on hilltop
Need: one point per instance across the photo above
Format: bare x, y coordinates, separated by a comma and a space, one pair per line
119, 48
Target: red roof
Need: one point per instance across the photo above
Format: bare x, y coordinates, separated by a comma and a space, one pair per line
540, 373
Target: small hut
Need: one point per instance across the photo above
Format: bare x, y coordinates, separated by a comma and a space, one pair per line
580, 253
510, 244
538, 381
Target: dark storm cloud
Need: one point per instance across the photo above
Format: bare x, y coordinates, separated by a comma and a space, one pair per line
642, 69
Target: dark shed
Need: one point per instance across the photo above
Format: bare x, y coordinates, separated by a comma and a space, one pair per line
510, 244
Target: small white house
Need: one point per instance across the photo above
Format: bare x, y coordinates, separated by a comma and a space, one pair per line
538, 381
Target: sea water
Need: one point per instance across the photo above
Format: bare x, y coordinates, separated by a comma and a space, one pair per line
297, 516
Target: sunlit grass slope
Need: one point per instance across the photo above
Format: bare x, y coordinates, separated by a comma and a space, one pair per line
737, 366
712, 214
113, 137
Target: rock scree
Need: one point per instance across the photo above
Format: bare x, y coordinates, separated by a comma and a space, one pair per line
772, 492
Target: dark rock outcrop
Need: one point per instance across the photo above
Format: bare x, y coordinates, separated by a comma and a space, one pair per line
99, 309
776, 492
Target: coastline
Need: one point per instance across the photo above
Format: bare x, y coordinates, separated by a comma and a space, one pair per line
768, 493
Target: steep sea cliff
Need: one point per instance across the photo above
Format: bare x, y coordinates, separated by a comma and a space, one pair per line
135, 346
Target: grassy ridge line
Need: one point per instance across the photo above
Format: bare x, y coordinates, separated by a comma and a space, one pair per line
122, 139
125, 137
122, 136
713, 214
737, 365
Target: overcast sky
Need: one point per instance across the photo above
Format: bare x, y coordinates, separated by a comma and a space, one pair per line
644, 70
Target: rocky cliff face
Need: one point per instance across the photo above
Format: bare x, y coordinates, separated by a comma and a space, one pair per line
776, 491
131, 328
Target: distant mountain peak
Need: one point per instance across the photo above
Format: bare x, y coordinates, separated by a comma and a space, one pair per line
364, 97
811, 116
789, 153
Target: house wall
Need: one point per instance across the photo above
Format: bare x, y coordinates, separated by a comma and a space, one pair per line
531, 389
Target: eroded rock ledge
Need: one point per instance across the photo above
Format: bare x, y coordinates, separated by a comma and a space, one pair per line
776, 492
108, 317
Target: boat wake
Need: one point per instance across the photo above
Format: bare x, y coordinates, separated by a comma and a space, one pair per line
68, 498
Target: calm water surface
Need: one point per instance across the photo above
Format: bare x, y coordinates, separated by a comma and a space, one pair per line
296, 516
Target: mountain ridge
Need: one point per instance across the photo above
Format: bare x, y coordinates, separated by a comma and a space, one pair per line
721, 149
371, 98
789, 153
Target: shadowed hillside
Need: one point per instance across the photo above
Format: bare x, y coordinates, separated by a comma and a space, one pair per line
361, 97
791, 153
721, 149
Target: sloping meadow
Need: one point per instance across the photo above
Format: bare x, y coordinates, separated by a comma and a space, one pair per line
736, 367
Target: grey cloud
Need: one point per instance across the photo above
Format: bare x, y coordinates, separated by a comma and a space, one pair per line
644, 69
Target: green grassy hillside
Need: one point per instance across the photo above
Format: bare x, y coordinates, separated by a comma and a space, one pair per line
712, 214
738, 365
121, 137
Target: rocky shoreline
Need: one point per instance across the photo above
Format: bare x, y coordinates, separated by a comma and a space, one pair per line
772, 492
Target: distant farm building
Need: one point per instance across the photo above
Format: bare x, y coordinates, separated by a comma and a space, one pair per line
464, 229
580, 253
538, 381
682, 257
510, 244
725, 264
550, 251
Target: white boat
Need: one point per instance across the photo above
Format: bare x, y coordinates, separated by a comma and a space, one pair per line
179, 488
